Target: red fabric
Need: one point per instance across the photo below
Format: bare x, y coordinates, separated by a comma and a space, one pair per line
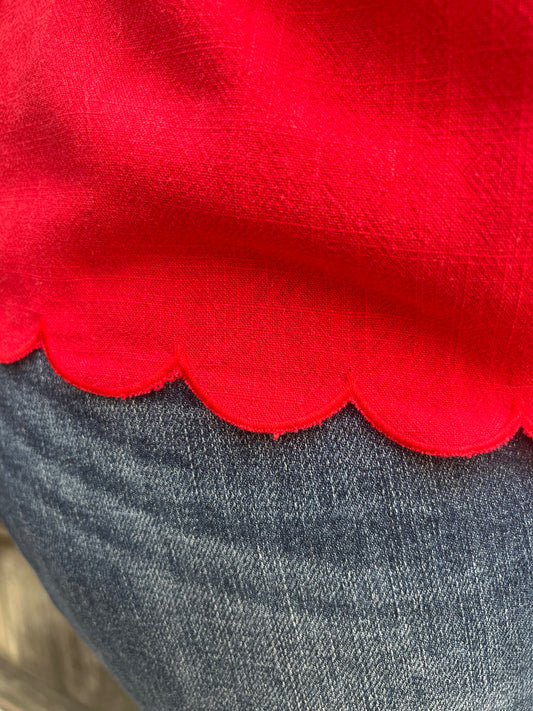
290, 203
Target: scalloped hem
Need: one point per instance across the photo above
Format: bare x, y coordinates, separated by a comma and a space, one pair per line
178, 369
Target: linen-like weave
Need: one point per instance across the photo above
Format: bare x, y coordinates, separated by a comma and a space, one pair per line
289, 203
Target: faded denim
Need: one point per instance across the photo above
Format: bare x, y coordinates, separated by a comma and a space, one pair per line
213, 569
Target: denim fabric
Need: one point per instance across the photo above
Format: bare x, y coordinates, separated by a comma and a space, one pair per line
213, 569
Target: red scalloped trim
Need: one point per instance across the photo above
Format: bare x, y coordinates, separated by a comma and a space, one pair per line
179, 369
354, 226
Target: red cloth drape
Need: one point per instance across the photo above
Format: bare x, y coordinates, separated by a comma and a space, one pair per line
290, 203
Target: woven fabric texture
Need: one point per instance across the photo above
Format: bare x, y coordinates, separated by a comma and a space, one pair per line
290, 203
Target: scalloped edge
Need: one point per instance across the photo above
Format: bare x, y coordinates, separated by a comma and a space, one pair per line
177, 368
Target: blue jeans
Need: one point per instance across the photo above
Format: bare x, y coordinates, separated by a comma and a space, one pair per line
213, 569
